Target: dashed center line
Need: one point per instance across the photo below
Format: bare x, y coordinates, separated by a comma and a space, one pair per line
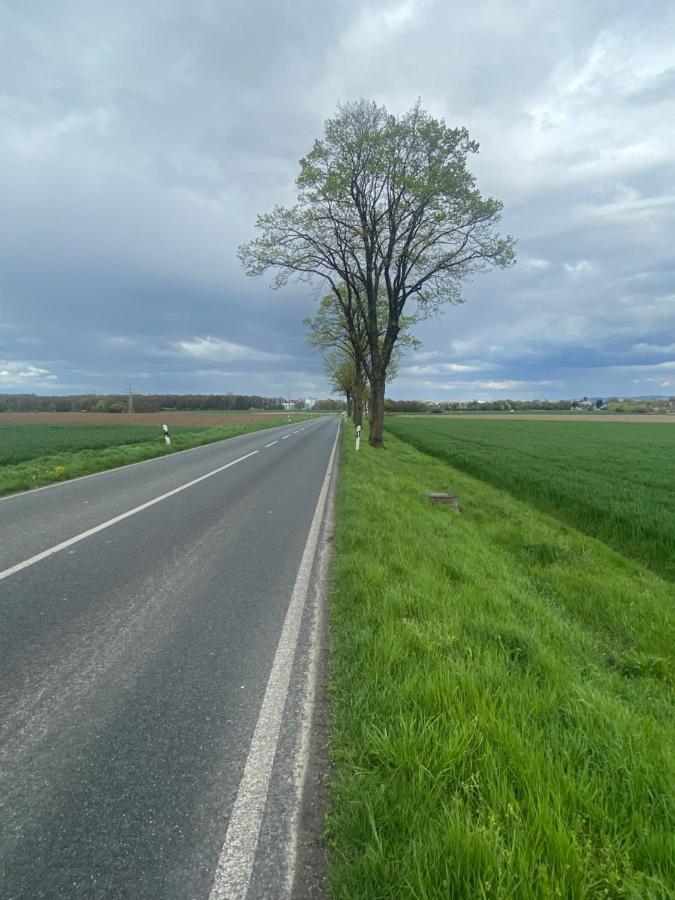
271, 444
285, 436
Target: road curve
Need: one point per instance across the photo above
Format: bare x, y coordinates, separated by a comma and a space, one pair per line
141, 612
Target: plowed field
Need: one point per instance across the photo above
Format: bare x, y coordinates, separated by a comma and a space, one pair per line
184, 419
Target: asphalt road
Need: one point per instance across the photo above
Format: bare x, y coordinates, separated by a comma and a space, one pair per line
134, 665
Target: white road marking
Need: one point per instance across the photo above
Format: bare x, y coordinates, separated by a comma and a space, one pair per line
285, 436
296, 431
271, 445
132, 512
297, 777
237, 856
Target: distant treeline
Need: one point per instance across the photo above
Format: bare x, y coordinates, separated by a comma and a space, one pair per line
142, 402
493, 405
156, 402
611, 404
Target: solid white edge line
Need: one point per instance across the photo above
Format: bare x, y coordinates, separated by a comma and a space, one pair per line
235, 864
298, 777
131, 512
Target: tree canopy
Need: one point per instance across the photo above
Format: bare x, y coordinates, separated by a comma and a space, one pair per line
386, 208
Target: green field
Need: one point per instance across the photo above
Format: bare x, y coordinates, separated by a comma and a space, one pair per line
613, 480
35, 455
20, 443
501, 683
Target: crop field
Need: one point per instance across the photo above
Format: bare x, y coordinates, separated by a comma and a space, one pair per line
37, 449
20, 443
501, 683
613, 480
175, 418
557, 416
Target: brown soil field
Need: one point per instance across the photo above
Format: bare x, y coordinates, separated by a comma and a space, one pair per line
196, 419
551, 417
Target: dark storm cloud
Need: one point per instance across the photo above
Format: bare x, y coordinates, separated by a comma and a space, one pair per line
138, 142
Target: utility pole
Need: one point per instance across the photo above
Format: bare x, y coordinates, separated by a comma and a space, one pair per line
130, 404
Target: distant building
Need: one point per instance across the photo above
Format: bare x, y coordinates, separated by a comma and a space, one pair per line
310, 402
589, 403
288, 404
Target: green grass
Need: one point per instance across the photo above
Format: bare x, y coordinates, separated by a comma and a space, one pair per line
20, 443
611, 480
502, 717
37, 455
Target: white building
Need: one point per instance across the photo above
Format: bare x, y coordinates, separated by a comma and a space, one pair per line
310, 402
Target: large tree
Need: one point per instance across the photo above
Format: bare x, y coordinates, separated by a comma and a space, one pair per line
340, 337
386, 205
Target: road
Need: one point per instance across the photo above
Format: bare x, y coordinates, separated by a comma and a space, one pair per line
155, 660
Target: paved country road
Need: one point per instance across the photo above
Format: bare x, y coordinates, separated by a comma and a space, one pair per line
155, 671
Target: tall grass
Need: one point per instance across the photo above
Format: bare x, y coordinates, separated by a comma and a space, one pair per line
501, 694
613, 480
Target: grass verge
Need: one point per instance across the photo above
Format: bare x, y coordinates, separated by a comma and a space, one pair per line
502, 718
613, 481
62, 466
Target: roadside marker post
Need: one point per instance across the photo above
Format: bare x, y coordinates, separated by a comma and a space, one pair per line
358, 436
167, 439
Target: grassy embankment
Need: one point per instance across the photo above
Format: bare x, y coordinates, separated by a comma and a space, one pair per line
35, 455
611, 480
502, 719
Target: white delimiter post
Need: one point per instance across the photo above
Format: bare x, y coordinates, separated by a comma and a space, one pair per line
167, 439
358, 436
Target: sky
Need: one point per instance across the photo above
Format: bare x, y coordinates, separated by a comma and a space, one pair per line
139, 140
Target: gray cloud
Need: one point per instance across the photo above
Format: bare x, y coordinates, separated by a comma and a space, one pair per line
138, 142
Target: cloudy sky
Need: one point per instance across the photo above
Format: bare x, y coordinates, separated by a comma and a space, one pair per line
138, 140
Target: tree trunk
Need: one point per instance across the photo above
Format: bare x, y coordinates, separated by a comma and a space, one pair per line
358, 405
376, 437
357, 390
349, 404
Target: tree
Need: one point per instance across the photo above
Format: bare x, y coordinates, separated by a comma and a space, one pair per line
343, 376
344, 343
342, 338
385, 204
